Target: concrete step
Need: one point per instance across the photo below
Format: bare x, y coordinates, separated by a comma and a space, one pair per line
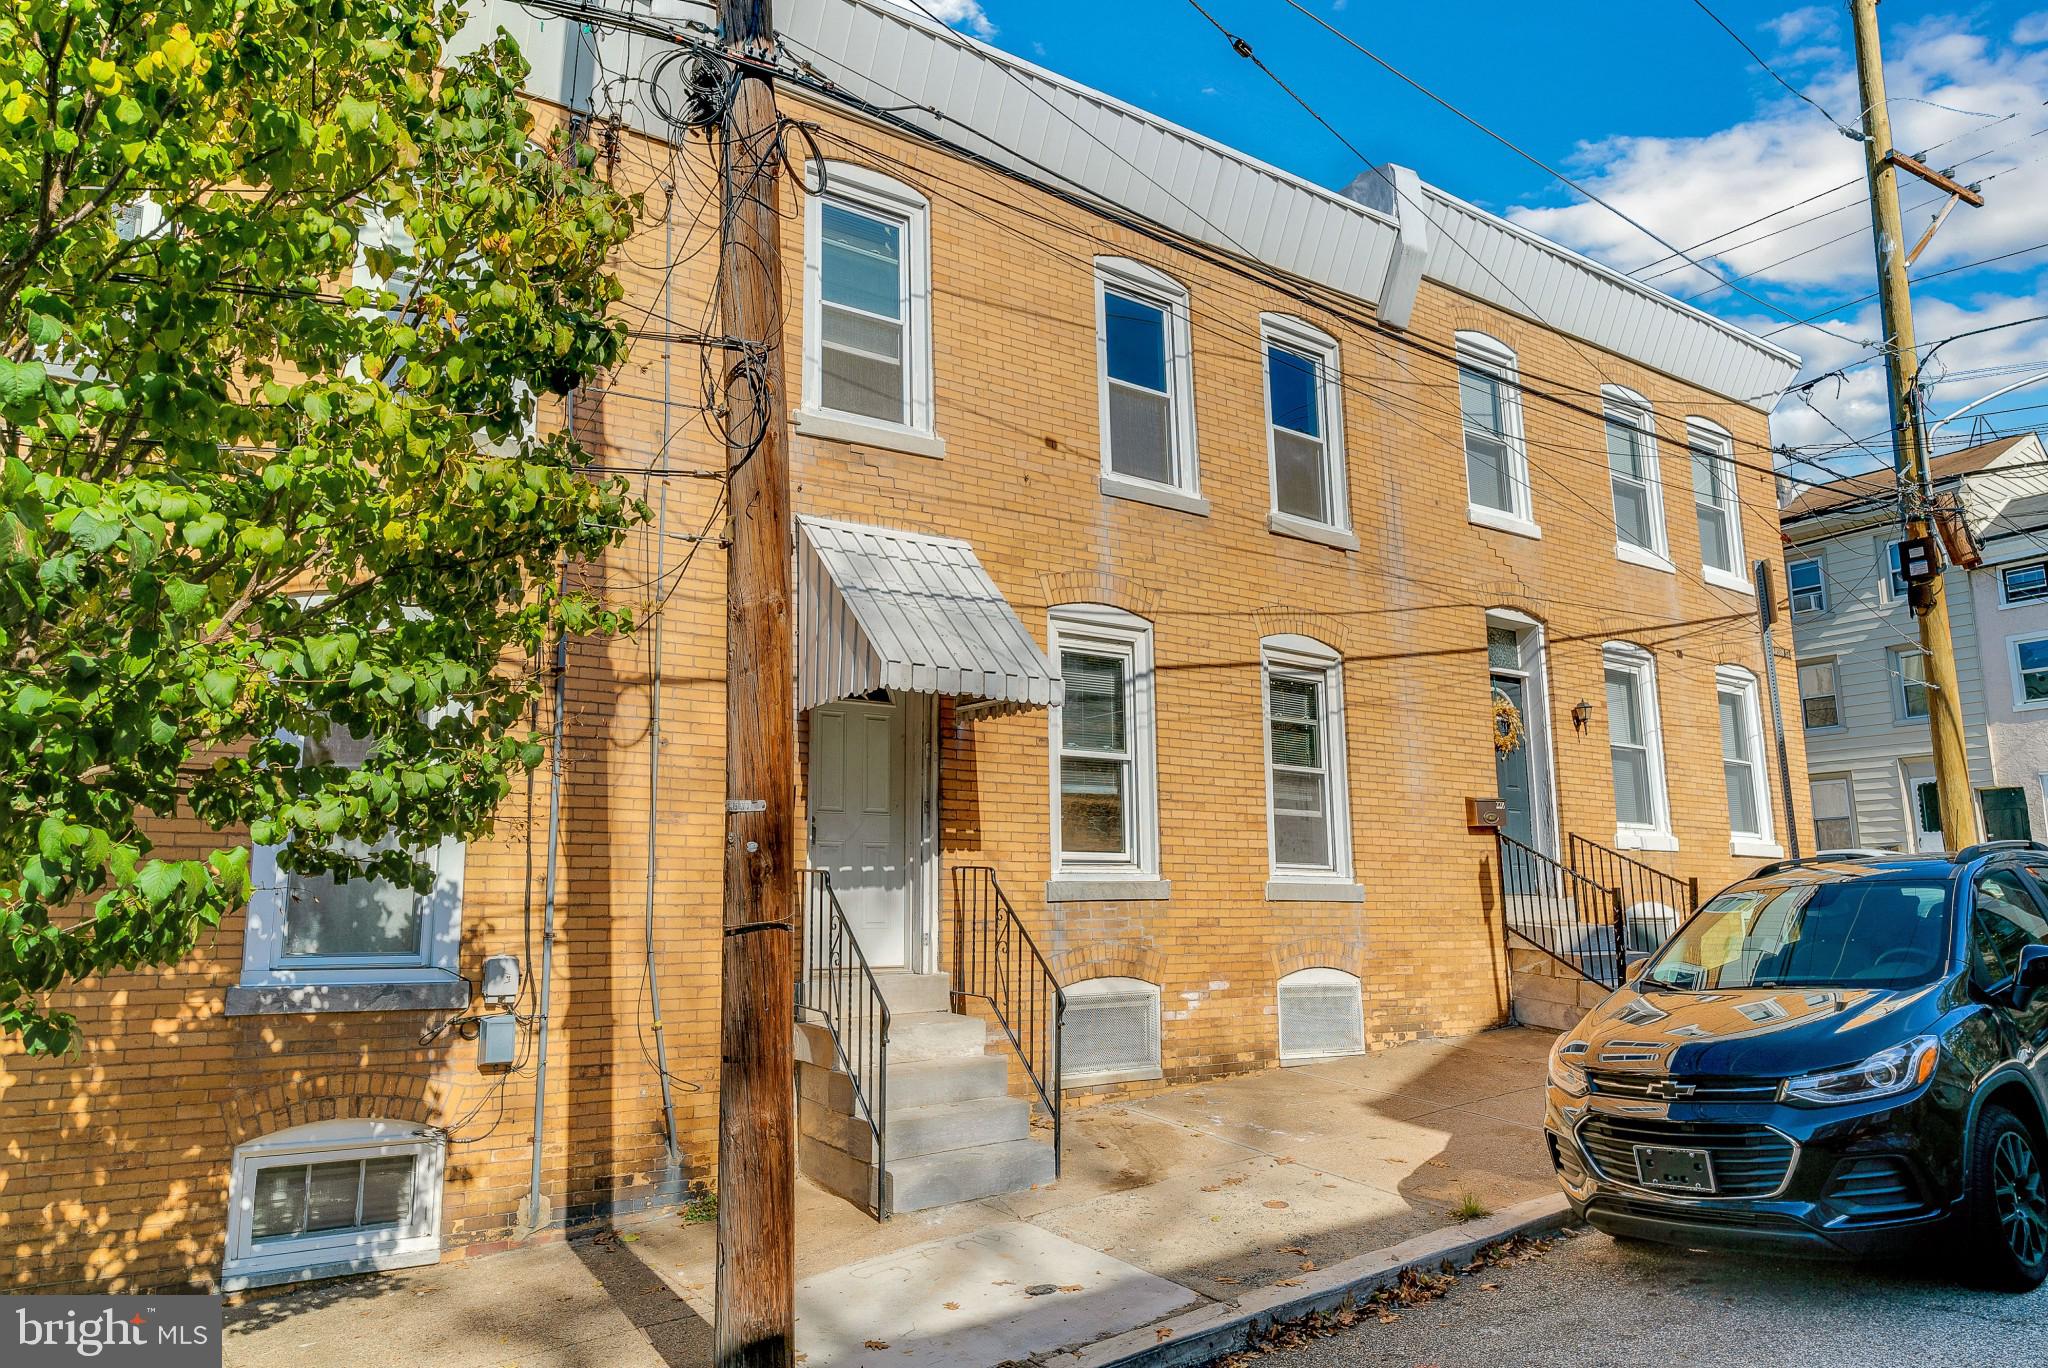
931, 1082
907, 993
922, 1130
966, 1175
916, 1036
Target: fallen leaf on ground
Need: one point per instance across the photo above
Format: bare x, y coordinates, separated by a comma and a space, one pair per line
1284, 1159
877, 1344
1392, 1160
1489, 1287
1308, 1265
1220, 1278
1070, 1287
1389, 1317
1233, 1182
1291, 1249
1436, 1163
1212, 1187
1276, 1205
1288, 1282
1163, 1332
952, 1306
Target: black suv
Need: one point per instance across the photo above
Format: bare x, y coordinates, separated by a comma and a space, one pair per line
1842, 1055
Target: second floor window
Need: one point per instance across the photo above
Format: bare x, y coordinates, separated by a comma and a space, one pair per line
2030, 672
867, 335
1148, 422
1908, 667
1806, 582
1490, 410
2023, 583
1715, 503
1304, 410
1632, 471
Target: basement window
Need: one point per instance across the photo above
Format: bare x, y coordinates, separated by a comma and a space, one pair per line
333, 1197
1111, 1032
1322, 1015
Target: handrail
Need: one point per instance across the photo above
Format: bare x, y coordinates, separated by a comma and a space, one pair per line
1653, 902
1561, 912
835, 982
1019, 986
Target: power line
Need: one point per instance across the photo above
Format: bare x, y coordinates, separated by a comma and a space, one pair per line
1845, 130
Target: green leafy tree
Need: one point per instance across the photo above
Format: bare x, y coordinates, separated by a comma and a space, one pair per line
247, 494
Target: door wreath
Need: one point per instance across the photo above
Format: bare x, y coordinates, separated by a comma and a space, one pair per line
1508, 732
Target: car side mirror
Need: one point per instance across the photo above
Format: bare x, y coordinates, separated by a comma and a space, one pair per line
2032, 973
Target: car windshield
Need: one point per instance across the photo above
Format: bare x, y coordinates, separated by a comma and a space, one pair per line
1867, 933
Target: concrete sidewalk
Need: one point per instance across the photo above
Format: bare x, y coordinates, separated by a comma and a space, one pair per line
1189, 1198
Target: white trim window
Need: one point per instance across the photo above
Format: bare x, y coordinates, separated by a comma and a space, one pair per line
2026, 583
1716, 504
1820, 694
2029, 671
867, 301
1806, 583
1907, 668
1834, 812
1642, 813
1496, 459
1633, 475
1895, 586
1104, 748
1304, 425
1322, 1015
333, 1197
1145, 369
1742, 762
1110, 1033
306, 929
1308, 819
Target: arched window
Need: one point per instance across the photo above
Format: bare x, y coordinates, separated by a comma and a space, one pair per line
1639, 536
1496, 460
333, 1197
1322, 1015
867, 310
1111, 1032
1716, 503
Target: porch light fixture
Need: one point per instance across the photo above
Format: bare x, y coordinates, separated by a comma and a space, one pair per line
1582, 713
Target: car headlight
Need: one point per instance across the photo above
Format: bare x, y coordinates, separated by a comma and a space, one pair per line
1895, 1070
1568, 1066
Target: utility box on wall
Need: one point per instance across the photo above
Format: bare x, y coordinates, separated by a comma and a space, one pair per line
497, 1040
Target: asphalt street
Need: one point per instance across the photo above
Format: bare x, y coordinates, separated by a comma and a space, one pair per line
1591, 1302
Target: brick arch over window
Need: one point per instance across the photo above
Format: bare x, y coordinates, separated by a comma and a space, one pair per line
1094, 586
353, 1094
1324, 627
1514, 596
1109, 959
1320, 952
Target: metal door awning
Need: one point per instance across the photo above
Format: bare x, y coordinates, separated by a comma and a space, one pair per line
883, 609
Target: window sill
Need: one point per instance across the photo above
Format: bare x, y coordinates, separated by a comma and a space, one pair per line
1144, 491
1287, 525
1626, 838
1502, 522
1314, 890
1749, 847
1632, 554
1721, 579
1115, 1076
839, 427
1110, 889
269, 1271
446, 993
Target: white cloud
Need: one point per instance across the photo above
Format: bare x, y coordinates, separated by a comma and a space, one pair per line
2031, 29
960, 14
1800, 24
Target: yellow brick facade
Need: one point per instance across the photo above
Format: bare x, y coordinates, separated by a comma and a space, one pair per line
116, 1158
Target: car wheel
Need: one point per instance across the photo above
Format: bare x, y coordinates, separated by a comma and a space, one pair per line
2007, 1215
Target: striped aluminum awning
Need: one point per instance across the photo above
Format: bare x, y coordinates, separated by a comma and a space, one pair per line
882, 609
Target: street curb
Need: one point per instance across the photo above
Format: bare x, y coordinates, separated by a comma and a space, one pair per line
1209, 1332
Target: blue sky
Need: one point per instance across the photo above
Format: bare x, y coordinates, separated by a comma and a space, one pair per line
1666, 117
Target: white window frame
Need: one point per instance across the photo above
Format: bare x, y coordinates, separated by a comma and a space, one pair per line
327, 1253
1761, 843
1848, 784
1305, 658
265, 964
1291, 334
1151, 286
1656, 835
1477, 351
866, 191
2005, 597
1320, 976
1105, 630
1104, 986
1622, 407
1893, 587
2019, 673
1799, 687
1895, 670
1792, 593
1703, 437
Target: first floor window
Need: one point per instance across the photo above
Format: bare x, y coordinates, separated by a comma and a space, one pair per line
1304, 751
1103, 741
2030, 672
1111, 1031
2005, 814
1146, 374
1820, 702
1742, 753
332, 1197
1634, 743
1806, 581
1908, 667
1834, 815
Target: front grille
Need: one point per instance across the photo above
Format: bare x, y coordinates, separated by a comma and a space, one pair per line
1749, 1161
1651, 1087
1873, 1188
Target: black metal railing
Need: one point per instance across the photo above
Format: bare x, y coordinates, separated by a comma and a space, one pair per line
1561, 911
834, 982
995, 959
1653, 903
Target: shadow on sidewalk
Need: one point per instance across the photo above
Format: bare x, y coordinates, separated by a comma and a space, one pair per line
679, 1335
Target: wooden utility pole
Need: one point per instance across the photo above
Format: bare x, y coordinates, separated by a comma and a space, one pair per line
756, 1101
1929, 596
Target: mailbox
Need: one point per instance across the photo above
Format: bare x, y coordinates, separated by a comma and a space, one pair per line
1485, 814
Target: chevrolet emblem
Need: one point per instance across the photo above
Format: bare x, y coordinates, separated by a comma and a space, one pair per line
1670, 1090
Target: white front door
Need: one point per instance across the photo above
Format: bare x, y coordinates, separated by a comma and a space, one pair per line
1923, 810
858, 821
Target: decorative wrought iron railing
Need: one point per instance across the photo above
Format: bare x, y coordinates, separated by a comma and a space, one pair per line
835, 983
995, 959
1653, 903
1560, 910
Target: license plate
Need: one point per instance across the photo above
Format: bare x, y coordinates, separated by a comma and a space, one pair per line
1680, 1170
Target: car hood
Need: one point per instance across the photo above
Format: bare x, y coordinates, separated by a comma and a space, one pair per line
1751, 1032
